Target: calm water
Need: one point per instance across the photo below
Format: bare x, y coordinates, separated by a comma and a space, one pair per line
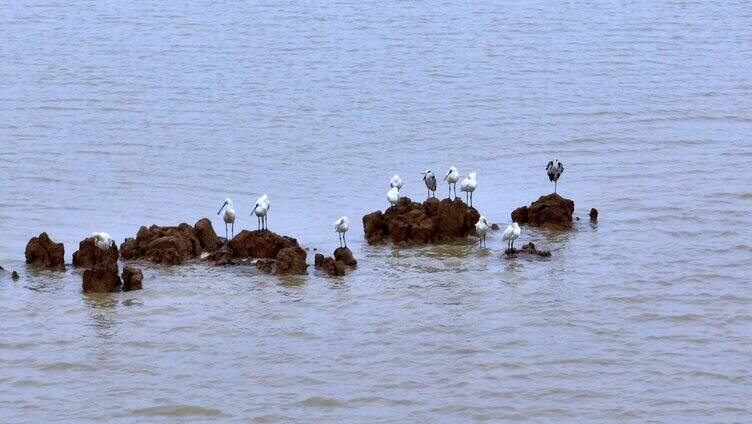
114, 116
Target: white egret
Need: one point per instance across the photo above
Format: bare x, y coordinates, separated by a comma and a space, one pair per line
228, 216
102, 240
451, 177
341, 226
482, 227
554, 169
396, 182
511, 233
262, 207
393, 195
468, 186
430, 181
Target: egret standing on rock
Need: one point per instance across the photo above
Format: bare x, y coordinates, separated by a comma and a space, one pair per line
511, 233
468, 186
482, 227
554, 169
393, 195
102, 240
341, 226
451, 177
261, 208
430, 181
396, 182
228, 216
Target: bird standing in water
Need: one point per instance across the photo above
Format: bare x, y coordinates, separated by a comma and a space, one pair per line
430, 181
228, 216
482, 227
554, 169
468, 186
261, 209
451, 177
511, 233
341, 226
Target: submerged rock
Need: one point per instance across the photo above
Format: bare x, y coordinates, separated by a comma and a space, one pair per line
291, 261
259, 244
14, 275
204, 232
102, 278
222, 256
344, 255
133, 278
41, 251
333, 267
419, 223
551, 211
89, 254
594, 214
266, 265
318, 260
528, 249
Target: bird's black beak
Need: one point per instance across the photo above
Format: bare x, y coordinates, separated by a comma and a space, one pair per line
223, 206
254, 208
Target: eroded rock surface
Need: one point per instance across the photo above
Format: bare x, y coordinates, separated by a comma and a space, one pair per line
410, 222
344, 255
204, 232
162, 245
551, 211
89, 254
259, 244
41, 251
102, 278
528, 249
133, 278
291, 261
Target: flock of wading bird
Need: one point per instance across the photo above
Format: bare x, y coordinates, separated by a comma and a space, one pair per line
554, 169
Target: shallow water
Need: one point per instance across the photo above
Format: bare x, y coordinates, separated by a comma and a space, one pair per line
117, 116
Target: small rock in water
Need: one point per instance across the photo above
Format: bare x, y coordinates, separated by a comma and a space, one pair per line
291, 260
495, 227
528, 249
101, 278
14, 275
1, 268
594, 214
344, 255
551, 211
43, 252
132, 278
318, 260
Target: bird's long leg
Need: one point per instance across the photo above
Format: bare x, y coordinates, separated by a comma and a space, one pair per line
555, 184
450, 190
471, 199
233, 229
225, 230
344, 239
258, 222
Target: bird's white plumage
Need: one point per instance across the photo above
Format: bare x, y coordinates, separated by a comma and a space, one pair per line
262, 206
393, 195
453, 175
341, 225
229, 215
470, 183
482, 227
511, 233
430, 179
396, 181
102, 240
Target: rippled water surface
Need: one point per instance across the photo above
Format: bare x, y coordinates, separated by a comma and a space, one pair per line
115, 115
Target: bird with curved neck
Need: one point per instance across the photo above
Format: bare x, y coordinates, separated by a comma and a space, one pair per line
451, 177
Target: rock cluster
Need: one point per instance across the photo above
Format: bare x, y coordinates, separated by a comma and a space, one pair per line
102, 278
89, 254
528, 249
170, 245
336, 266
274, 253
410, 222
41, 251
551, 211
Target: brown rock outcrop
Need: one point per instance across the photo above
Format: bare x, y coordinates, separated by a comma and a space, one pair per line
204, 232
291, 260
133, 279
43, 252
594, 214
344, 255
265, 265
102, 278
222, 256
333, 267
89, 254
551, 211
415, 223
318, 260
259, 244
164, 245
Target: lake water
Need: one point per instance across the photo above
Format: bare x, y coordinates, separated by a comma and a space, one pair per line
115, 115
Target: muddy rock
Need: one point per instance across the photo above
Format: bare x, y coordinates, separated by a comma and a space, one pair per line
41, 251
204, 232
133, 278
527, 249
259, 244
222, 256
594, 214
163, 245
344, 255
89, 254
333, 267
410, 222
266, 265
291, 261
551, 211
128, 249
102, 278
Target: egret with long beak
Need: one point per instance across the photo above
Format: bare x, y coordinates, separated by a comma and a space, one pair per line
481, 228
260, 210
228, 216
451, 177
341, 226
468, 186
554, 169
430, 181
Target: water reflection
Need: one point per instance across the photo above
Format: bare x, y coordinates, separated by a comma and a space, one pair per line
102, 308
